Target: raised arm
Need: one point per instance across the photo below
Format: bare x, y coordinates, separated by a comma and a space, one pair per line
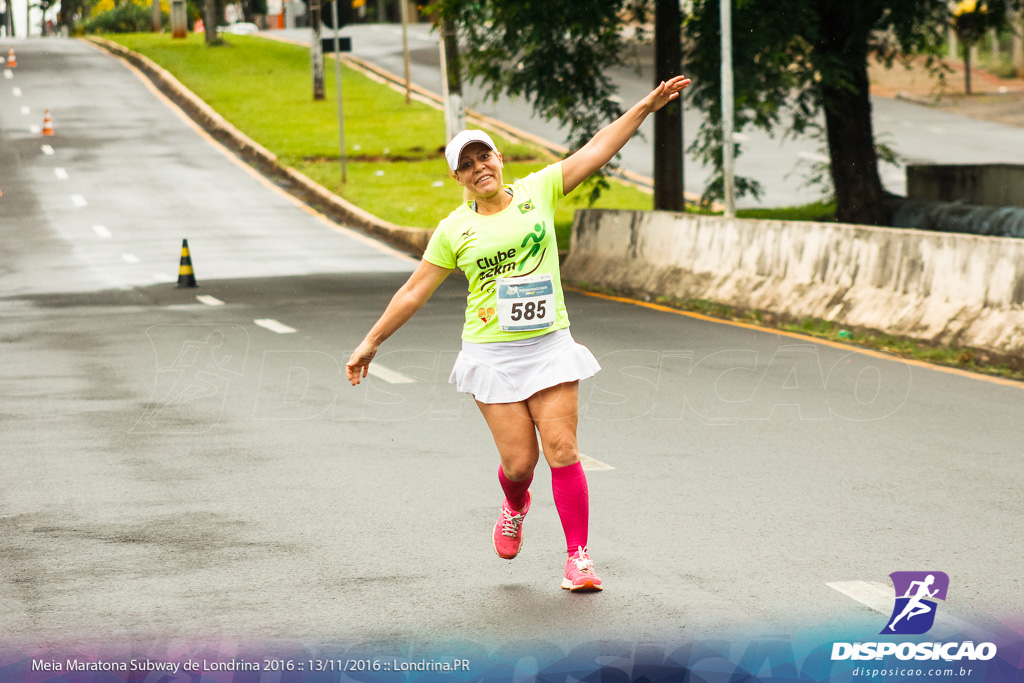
409, 298
610, 139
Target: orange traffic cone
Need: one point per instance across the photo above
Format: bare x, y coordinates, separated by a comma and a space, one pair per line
199, 27
186, 276
47, 124
11, 61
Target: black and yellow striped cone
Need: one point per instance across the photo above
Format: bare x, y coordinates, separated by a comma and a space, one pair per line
186, 277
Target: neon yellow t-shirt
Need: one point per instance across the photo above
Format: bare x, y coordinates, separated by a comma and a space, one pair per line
518, 241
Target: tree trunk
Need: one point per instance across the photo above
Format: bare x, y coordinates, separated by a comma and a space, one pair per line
454, 106
1017, 25
157, 19
210, 22
316, 50
64, 17
851, 143
451, 53
668, 121
967, 67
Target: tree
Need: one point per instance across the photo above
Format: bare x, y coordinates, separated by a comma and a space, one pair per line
72, 10
253, 8
971, 19
555, 54
552, 53
799, 65
806, 59
43, 6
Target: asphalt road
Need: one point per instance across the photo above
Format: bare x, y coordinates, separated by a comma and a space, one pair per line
178, 470
782, 164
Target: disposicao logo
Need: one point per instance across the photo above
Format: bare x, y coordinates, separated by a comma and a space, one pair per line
916, 593
913, 614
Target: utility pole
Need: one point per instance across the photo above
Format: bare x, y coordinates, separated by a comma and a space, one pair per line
725, 12
451, 81
1018, 43
337, 85
668, 121
403, 9
316, 50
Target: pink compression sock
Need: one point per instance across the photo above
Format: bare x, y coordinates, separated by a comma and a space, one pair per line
515, 491
572, 499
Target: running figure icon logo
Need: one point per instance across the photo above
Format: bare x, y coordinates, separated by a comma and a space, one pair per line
916, 592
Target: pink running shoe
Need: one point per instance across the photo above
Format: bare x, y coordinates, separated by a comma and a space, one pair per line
579, 573
508, 532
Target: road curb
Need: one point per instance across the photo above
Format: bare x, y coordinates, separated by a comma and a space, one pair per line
411, 240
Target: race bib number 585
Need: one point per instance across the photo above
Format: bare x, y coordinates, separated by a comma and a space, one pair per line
526, 303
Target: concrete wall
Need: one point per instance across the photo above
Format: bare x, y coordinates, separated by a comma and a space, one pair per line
952, 288
985, 184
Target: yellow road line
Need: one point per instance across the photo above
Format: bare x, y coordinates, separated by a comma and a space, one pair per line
796, 335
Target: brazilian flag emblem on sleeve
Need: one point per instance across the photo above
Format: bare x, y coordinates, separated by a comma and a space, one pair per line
526, 206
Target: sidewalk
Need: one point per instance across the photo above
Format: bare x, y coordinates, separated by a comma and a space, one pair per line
993, 99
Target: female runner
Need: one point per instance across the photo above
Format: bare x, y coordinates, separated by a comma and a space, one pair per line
518, 359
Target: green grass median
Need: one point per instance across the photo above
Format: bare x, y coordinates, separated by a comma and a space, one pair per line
396, 168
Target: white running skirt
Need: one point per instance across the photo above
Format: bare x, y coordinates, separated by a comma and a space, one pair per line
513, 371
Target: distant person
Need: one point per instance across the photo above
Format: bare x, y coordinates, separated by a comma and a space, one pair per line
518, 359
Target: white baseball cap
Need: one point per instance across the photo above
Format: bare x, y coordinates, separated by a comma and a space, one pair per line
459, 142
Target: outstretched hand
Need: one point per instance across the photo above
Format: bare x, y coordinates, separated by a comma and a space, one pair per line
359, 364
666, 92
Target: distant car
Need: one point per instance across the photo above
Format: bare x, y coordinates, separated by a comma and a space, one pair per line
242, 28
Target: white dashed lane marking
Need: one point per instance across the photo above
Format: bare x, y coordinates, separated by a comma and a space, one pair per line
388, 375
880, 598
60, 173
130, 258
274, 326
25, 111
593, 464
209, 300
47, 150
101, 230
875, 595
16, 91
79, 201
588, 463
